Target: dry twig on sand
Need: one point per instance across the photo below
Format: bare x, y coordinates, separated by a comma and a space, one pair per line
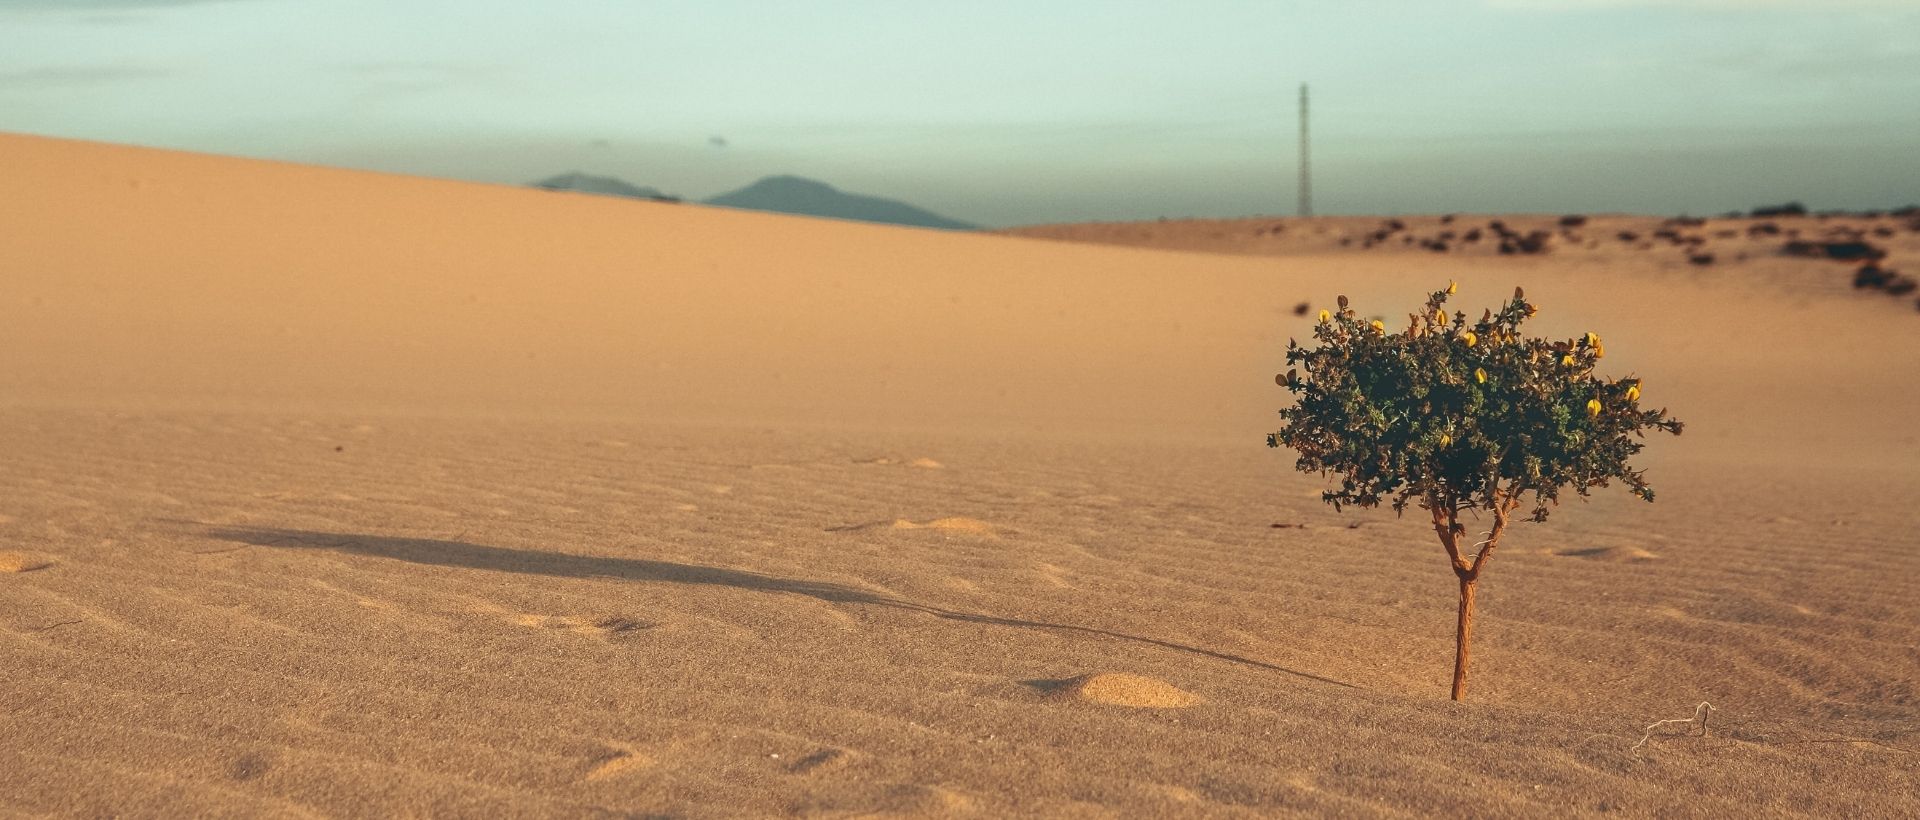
1700, 714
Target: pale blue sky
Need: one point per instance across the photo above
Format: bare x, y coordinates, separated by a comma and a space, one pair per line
1017, 112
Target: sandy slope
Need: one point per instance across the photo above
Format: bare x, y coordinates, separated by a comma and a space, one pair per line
339, 493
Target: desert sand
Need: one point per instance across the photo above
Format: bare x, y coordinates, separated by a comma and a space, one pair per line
335, 493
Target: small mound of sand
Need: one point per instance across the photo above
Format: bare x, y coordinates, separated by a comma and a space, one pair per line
1619, 554
956, 524
616, 758
17, 561
822, 761
923, 462
1122, 689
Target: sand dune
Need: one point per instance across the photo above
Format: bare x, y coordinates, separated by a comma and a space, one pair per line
337, 493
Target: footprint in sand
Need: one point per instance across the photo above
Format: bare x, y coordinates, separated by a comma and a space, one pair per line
17, 561
249, 766
1118, 689
949, 524
611, 626
593, 626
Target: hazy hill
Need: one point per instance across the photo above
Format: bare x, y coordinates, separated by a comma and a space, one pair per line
609, 186
797, 195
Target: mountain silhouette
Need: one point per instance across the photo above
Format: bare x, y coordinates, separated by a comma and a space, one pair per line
806, 197
606, 186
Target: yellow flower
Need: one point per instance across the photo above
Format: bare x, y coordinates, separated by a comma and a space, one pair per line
1599, 351
1440, 316
1445, 439
1379, 326
1593, 407
1633, 393
1480, 375
1592, 340
1469, 338
1324, 316
1452, 286
1567, 360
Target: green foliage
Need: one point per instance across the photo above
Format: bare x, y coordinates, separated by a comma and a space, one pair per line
1454, 415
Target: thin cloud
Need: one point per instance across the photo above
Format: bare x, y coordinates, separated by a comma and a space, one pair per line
378, 82
391, 67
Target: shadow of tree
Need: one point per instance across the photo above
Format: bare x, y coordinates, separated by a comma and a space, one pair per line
500, 559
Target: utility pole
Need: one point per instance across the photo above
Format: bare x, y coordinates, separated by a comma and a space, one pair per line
1306, 181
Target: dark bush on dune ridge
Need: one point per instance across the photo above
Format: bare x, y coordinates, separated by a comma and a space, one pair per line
1788, 209
1514, 242
1886, 280
1845, 250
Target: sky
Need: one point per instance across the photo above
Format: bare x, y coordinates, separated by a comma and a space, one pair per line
1005, 112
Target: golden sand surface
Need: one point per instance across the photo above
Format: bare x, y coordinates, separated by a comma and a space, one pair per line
333, 493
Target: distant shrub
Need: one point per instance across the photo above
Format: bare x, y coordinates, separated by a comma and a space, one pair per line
1456, 418
1788, 209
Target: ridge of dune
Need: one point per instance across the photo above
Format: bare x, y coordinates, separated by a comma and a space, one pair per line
277, 285
154, 278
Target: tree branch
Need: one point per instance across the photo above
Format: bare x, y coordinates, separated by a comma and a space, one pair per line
1504, 504
1443, 526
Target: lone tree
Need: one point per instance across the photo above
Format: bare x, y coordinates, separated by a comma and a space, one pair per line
1459, 417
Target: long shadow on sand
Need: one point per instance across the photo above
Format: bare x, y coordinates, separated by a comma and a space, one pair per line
562, 565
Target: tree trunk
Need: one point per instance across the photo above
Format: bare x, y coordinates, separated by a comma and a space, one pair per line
1463, 638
